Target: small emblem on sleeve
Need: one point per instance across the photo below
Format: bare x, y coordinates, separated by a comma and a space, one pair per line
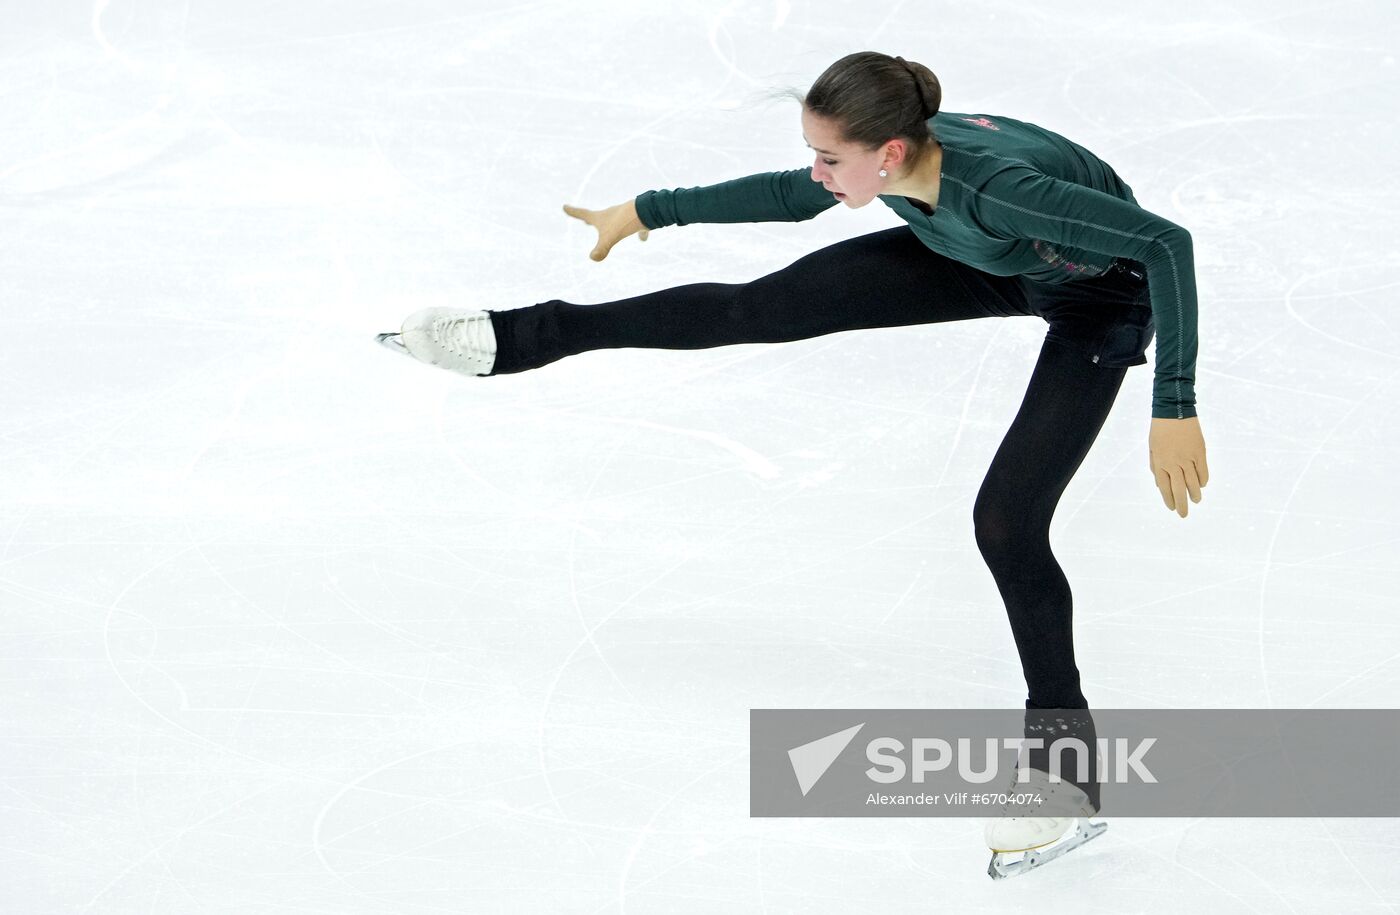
1055, 259
982, 122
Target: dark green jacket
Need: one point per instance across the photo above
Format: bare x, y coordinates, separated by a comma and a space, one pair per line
1015, 199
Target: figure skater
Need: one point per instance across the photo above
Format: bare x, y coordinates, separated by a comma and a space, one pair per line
1002, 217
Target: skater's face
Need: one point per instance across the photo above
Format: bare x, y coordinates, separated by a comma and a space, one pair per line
848, 171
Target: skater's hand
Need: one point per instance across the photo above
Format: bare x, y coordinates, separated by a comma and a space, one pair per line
1176, 456
613, 225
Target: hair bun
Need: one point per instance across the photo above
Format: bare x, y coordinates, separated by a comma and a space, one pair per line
928, 110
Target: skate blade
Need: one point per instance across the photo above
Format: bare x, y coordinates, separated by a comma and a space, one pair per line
392, 341
1001, 868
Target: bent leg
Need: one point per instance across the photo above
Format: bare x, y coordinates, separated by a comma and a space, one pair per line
1066, 403
883, 279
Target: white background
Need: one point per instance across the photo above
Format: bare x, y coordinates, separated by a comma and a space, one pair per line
294, 625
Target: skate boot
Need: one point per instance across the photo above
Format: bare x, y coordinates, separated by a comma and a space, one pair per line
462, 341
1061, 826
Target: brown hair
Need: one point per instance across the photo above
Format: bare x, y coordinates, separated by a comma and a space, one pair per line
873, 98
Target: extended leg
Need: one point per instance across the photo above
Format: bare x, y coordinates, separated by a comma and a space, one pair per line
883, 279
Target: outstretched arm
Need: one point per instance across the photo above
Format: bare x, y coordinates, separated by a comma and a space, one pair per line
788, 196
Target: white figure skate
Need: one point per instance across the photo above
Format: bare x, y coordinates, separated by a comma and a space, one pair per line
1040, 839
462, 341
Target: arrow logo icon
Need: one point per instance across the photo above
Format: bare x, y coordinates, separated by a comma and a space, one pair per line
811, 760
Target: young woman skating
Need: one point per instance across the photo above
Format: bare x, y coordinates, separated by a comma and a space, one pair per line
1002, 218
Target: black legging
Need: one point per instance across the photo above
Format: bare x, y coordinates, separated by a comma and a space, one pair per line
1097, 328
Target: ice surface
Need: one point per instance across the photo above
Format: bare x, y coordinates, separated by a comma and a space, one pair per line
293, 625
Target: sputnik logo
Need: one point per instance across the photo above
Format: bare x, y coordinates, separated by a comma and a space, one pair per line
982, 122
811, 760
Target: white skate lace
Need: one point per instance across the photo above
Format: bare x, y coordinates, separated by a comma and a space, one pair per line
463, 335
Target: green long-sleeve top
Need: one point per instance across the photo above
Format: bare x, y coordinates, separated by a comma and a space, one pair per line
1014, 199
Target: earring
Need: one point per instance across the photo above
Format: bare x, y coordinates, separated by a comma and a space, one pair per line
884, 174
